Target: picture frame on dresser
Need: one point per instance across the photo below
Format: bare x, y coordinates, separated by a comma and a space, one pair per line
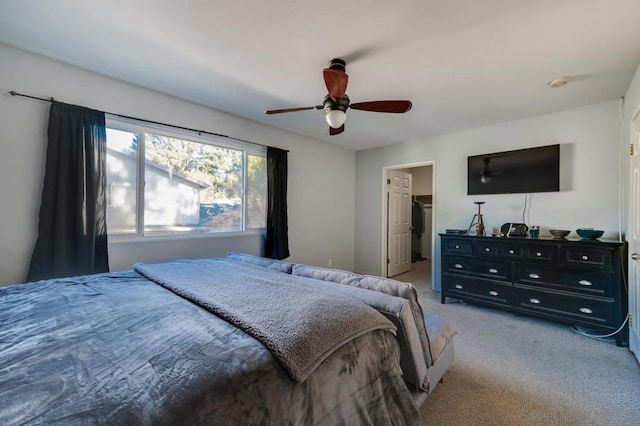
572, 281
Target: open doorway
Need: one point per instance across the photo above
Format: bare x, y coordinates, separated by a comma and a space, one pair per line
419, 244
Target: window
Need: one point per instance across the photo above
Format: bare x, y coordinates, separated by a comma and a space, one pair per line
164, 183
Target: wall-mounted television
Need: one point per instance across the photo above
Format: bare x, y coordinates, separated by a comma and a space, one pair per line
512, 172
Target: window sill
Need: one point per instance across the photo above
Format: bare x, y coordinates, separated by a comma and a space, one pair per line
118, 239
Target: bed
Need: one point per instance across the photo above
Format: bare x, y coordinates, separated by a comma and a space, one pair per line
234, 341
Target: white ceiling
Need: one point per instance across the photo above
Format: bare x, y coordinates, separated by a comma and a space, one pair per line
463, 63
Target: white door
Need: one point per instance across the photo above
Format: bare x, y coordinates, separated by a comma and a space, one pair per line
634, 240
399, 223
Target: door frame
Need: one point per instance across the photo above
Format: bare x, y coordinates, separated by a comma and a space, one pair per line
385, 219
634, 287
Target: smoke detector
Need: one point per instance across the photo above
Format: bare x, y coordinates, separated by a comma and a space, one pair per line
558, 82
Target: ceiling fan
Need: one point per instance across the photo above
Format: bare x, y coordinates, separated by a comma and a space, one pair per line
486, 174
336, 102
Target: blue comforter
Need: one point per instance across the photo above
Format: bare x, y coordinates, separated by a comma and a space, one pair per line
117, 348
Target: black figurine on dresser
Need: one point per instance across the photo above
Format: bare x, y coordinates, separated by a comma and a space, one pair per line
578, 282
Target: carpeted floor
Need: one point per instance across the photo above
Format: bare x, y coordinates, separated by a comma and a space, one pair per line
511, 370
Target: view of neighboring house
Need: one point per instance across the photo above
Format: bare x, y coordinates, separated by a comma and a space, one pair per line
189, 187
173, 200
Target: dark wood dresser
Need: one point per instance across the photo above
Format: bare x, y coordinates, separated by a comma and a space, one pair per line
578, 282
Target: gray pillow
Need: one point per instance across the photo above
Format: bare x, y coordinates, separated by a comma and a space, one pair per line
274, 264
412, 357
406, 291
324, 274
417, 338
397, 310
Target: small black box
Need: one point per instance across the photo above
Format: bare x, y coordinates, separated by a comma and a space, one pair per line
456, 231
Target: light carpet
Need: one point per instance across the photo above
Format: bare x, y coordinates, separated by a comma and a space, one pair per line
517, 370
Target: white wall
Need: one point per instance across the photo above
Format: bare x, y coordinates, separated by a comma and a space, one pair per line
422, 180
321, 204
589, 138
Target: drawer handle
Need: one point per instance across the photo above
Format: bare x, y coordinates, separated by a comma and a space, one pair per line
457, 266
458, 286
586, 311
493, 271
493, 293
538, 254
511, 252
534, 301
584, 282
487, 249
534, 276
585, 257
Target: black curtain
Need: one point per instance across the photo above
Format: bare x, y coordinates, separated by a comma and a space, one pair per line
277, 242
72, 229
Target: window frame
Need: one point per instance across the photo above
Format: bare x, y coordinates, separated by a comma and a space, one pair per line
140, 128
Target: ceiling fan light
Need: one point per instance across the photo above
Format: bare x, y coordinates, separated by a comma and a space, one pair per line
336, 118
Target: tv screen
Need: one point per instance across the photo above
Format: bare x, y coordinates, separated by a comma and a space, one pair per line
512, 172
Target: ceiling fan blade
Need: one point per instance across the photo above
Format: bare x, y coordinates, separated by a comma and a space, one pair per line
396, 107
336, 82
280, 111
337, 131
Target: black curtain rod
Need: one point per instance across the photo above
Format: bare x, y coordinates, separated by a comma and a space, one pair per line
14, 93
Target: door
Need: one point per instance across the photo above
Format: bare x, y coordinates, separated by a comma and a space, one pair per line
634, 239
398, 222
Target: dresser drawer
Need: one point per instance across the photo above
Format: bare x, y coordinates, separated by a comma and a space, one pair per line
592, 257
475, 289
597, 283
502, 249
512, 250
486, 268
457, 246
487, 248
569, 308
542, 253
